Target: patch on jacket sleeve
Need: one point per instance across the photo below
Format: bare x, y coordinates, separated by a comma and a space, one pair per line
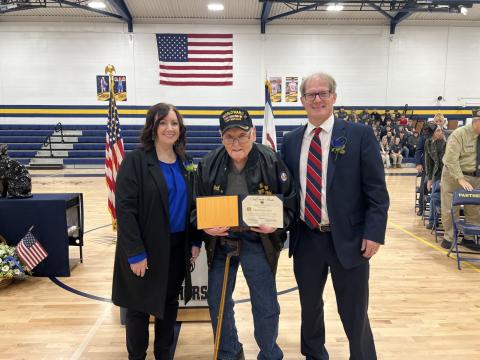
283, 176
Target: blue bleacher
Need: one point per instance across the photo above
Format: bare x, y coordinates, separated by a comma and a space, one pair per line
25, 140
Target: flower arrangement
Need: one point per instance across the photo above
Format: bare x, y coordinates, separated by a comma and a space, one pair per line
10, 265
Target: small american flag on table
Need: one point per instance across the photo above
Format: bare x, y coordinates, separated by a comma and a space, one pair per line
195, 59
30, 251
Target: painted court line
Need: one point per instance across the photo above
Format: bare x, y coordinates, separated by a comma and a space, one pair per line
433, 246
93, 331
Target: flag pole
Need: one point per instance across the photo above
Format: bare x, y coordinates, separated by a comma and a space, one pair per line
110, 71
269, 137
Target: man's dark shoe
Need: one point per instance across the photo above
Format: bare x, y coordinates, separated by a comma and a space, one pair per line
446, 244
470, 244
429, 226
240, 356
419, 213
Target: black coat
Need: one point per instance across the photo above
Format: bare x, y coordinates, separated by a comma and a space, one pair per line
143, 226
265, 173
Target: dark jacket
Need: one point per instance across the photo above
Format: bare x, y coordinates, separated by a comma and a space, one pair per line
434, 151
419, 153
143, 226
357, 197
264, 171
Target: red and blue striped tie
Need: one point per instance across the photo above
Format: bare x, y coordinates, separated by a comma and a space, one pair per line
313, 194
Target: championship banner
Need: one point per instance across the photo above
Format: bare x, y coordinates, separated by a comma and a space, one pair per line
119, 87
291, 89
276, 94
103, 88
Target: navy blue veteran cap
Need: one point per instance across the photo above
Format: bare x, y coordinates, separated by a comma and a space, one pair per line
235, 118
476, 112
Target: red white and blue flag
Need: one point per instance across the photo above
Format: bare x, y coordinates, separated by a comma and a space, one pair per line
114, 154
195, 59
30, 251
269, 134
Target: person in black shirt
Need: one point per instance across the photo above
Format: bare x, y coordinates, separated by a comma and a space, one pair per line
396, 153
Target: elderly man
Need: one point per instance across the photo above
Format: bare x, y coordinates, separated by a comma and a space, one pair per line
461, 169
434, 152
343, 202
240, 167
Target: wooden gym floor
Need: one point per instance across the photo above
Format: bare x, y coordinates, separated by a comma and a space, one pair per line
421, 306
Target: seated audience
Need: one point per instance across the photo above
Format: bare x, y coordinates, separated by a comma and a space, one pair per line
352, 117
389, 137
385, 152
342, 114
403, 144
412, 143
387, 115
402, 121
396, 115
364, 116
396, 153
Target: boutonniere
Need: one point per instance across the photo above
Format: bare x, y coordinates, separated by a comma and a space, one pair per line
339, 146
190, 166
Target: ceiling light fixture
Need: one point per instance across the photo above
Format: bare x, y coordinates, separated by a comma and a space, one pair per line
335, 7
97, 5
215, 7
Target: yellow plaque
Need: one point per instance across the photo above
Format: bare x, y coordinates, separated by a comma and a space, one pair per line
217, 211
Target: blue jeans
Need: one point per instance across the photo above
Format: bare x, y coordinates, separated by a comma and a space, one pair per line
434, 202
263, 294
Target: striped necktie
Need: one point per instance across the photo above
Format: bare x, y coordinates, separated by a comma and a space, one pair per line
313, 194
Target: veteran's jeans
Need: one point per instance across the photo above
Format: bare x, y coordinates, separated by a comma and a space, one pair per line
263, 297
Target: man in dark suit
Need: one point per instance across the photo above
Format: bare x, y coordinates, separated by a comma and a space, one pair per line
343, 202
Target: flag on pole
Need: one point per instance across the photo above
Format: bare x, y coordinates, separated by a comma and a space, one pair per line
114, 154
269, 136
195, 59
30, 251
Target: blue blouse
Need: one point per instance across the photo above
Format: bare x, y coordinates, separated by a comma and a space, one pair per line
177, 201
177, 195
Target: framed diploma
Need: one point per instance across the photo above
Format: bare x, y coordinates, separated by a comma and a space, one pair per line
244, 210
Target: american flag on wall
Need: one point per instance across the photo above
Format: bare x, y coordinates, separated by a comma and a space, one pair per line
30, 251
195, 59
114, 154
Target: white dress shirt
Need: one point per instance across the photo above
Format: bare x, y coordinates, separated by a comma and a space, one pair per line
325, 138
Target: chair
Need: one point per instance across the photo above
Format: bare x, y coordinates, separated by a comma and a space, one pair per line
461, 227
426, 207
417, 193
437, 222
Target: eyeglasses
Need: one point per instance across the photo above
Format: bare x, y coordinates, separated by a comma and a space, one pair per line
323, 95
242, 139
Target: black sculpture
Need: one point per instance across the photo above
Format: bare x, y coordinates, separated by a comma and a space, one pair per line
15, 180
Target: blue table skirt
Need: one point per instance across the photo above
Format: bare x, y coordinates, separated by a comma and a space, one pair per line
47, 213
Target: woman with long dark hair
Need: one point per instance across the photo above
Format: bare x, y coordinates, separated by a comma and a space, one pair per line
153, 200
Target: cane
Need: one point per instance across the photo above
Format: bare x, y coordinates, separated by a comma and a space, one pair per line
235, 252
